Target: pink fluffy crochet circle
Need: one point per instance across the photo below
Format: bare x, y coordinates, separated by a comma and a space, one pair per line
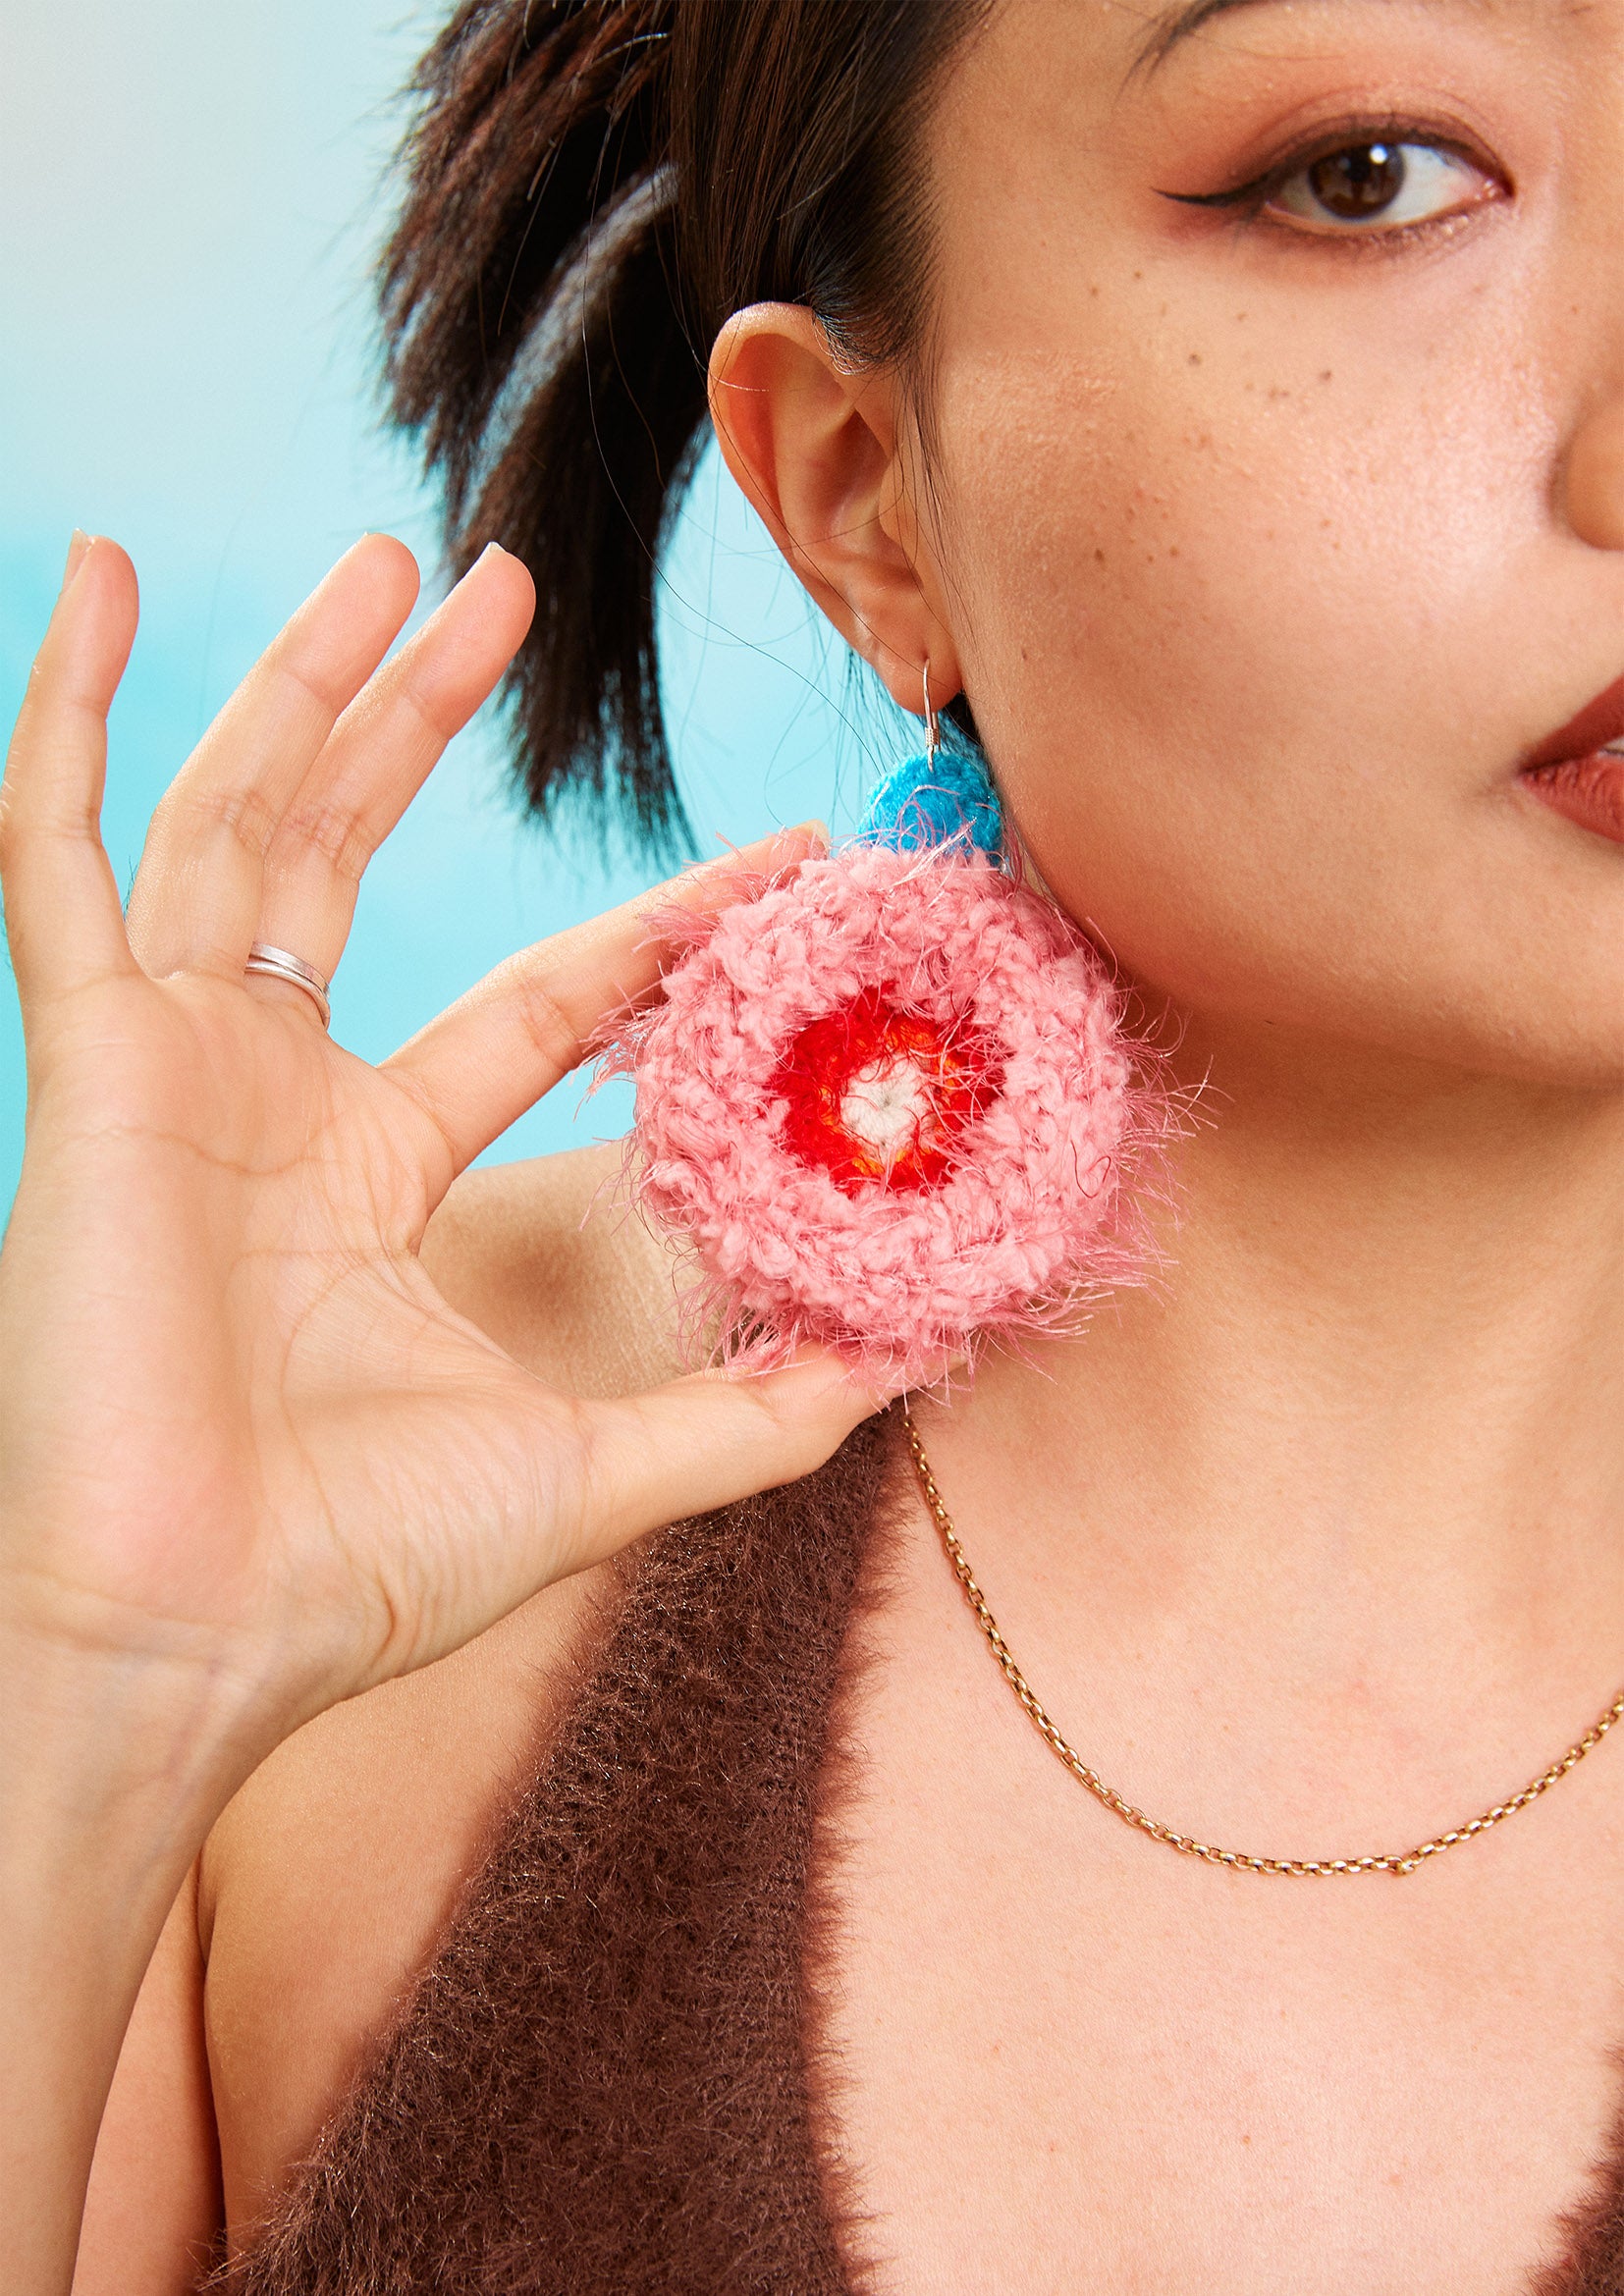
902, 1281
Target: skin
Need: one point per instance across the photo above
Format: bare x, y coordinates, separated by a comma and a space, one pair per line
1262, 556
256, 1463
1315, 540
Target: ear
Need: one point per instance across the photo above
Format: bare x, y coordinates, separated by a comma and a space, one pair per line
818, 448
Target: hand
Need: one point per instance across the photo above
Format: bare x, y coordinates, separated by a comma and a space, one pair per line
248, 1454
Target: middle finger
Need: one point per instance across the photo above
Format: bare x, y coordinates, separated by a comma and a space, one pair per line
380, 753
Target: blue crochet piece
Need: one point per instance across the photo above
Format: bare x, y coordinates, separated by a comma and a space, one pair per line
925, 801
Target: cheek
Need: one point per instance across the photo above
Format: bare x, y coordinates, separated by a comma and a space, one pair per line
1229, 619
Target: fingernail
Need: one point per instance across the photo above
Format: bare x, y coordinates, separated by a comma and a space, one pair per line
487, 550
76, 550
827, 1377
814, 830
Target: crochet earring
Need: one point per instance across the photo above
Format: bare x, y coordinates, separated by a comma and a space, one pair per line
886, 1098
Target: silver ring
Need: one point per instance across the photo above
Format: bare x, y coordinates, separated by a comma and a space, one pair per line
281, 964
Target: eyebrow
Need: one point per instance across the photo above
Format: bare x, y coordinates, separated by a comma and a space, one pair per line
1178, 23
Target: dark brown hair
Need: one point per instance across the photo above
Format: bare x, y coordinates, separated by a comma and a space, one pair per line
591, 188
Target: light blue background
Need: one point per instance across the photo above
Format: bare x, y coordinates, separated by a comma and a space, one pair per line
191, 192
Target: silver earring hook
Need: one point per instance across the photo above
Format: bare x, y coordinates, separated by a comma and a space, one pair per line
933, 723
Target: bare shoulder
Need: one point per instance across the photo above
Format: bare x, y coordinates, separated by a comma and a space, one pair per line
327, 1881
548, 1257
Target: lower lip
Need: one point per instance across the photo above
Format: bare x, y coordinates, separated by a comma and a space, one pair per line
1587, 790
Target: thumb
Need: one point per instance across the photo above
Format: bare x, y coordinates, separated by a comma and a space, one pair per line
703, 1441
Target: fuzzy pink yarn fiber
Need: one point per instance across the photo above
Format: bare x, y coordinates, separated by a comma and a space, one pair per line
887, 1101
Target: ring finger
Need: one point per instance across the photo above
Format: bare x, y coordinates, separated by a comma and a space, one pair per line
197, 899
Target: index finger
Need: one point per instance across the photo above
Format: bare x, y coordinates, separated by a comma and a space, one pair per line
494, 1052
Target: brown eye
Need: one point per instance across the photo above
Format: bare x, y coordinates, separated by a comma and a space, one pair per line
1381, 185
1362, 182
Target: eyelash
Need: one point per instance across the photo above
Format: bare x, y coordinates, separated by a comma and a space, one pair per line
1249, 201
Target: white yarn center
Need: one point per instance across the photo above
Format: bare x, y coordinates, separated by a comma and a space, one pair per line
887, 1106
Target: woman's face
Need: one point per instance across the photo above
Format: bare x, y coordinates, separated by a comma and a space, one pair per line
1278, 499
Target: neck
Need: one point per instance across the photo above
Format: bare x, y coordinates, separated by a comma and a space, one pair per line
1379, 1378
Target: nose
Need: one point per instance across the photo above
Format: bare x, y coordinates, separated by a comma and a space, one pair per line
1594, 478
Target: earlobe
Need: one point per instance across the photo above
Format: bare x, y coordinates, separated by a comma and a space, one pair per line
815, 445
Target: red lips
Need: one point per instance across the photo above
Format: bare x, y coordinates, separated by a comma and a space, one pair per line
1574, 773
1597, 723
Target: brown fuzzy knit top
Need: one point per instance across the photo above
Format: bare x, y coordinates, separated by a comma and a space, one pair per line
601, 2086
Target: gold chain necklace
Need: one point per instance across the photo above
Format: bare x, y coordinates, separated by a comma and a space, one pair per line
1404, 1862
